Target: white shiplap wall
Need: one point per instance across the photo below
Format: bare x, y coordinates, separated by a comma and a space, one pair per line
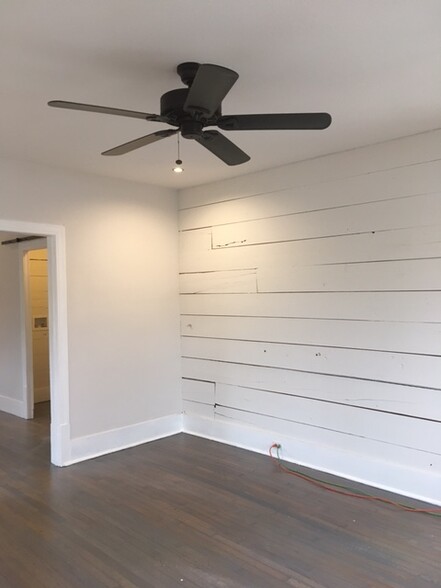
311, 312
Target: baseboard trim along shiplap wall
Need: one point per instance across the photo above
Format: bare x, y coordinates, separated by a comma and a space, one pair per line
358, 464
311, 313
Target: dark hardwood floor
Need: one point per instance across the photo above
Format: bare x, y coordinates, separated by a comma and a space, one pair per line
188, 512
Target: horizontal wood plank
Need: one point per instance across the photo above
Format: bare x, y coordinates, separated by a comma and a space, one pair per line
409, 275
391, 154
198, 391
414, 370
389, 428
377, 306
421, 274
377, 396
229, 281
410, 243
359, 218
198, 409
419, 179
424, 338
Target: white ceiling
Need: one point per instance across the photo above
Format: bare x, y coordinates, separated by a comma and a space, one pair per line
375, 65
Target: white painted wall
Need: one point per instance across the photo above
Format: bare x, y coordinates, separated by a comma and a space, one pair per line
11, 381
123, 326
311, 312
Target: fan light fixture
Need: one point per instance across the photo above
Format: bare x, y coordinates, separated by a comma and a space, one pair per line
178, 169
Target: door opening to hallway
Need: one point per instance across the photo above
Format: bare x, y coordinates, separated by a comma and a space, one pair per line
33, 333
36, 275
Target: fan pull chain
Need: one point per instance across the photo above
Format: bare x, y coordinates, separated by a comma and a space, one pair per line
178, 169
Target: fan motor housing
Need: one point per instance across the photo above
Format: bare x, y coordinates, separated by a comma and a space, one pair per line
187, 71
172, 108
172, 103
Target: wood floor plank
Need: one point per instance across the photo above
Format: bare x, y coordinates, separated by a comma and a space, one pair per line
189, 512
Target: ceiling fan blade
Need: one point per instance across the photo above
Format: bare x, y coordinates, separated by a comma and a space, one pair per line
141, 142
210, 86
105, 110
223, 148
263, 122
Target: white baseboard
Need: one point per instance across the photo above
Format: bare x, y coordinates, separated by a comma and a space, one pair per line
418, 484
13, 406
91, 446
386, 475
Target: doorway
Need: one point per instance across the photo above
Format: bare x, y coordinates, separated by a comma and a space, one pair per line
56, 325
35, 314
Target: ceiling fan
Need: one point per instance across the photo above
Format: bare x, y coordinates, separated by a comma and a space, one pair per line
192, 109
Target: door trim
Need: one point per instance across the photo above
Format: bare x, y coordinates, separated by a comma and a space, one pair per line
58, 343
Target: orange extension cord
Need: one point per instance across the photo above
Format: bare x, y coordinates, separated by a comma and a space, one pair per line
343, 490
